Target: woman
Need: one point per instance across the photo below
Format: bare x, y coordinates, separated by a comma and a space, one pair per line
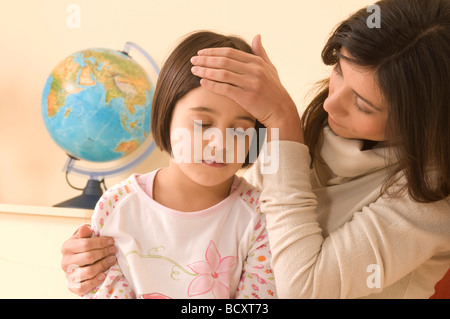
360, 205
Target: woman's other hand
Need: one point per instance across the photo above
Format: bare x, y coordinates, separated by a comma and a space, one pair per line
85, 259
251, 81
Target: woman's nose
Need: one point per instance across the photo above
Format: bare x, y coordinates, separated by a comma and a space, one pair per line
338, 100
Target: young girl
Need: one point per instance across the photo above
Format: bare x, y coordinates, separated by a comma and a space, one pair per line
192, 229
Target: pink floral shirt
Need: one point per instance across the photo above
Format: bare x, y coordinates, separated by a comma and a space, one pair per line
220, 252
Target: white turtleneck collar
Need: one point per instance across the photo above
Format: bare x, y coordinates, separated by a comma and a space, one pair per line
345, 160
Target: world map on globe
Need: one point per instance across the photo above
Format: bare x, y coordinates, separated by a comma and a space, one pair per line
96, 104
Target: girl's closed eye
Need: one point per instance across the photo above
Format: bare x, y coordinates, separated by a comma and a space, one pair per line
240, 131
202, 124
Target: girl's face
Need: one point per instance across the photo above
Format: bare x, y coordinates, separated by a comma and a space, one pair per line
355, 103
210, 153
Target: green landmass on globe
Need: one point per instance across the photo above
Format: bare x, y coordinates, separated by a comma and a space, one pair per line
96, 104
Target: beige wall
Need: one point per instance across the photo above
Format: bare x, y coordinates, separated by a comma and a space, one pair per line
34, 37
30, 245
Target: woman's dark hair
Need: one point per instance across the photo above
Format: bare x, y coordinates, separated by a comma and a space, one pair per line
410, 54
176, 79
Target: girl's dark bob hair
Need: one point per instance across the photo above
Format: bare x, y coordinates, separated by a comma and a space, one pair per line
176, 79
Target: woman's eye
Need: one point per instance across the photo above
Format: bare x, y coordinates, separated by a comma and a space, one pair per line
337, 69
359, 108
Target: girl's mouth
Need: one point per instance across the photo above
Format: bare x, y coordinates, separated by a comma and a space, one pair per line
213, 163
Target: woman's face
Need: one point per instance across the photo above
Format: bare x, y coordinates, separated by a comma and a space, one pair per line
355, 104
207, 136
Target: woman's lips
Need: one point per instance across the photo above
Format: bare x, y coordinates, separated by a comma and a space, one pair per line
332, 120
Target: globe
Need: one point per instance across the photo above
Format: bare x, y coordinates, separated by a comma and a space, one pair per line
96, 104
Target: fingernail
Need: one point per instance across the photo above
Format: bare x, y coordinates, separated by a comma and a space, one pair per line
201, 52
112, 249
110, 241
194, 69
101, 277
194, 59
111, 260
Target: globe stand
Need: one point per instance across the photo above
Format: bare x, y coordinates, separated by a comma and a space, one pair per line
88, 199
91, 192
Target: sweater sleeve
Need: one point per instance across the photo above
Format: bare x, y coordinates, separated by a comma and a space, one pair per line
381, 244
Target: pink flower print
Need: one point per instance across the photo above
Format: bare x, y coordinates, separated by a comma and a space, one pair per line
213, 274
259, 279
255, 296
262, 247
260, 238
100, 204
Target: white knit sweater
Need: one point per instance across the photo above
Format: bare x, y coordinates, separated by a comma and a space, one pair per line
333, 235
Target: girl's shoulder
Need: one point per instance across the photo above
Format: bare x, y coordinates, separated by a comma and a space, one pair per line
118, 192
109, 201
249, 195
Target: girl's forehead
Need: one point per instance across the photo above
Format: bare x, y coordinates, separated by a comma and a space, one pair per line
202, 100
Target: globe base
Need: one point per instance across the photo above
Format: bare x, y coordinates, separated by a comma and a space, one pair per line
88, 199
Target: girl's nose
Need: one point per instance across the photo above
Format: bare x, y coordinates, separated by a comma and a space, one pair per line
218, 139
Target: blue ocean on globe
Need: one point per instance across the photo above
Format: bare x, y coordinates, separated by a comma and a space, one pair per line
96, 105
